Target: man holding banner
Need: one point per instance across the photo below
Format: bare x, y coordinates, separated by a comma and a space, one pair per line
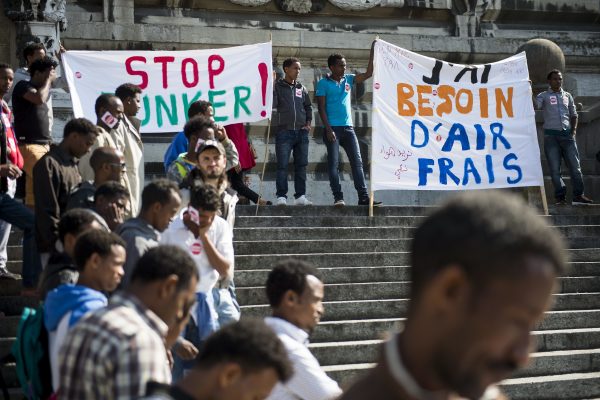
334, 100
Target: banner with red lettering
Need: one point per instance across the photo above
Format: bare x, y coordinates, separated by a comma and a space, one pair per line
236, 80
444, 126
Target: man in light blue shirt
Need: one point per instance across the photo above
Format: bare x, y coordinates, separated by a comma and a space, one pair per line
334, 100
560, 128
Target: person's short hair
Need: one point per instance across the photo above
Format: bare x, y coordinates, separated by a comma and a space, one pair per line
101, 156
198, 107
103, 101
74, 222
127, 90
160, 262
42, 65
554, 71
288, 275
205, 198
82, 126
333, 59
487, 234
196, 125
251, 344
158, 191
5, 66
288, 62
111, 190
32, 48
94, 241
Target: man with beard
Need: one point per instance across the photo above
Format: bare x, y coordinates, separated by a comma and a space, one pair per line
210, 170
483, 271
295, 293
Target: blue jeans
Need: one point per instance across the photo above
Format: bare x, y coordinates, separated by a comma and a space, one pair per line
19, 215
226, 305
346, 138
286, 142
563, 146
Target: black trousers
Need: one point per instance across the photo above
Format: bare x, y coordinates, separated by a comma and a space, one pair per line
236, 179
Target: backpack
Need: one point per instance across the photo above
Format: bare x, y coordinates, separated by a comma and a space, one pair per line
32, 356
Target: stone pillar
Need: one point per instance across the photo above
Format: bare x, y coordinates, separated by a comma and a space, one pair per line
35, 21
119, 11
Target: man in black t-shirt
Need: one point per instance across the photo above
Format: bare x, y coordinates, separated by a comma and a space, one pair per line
30, 110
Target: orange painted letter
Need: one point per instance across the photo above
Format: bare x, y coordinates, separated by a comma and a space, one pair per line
406, 108
483, 103
467, 108
425, 109
502, 101
444, 93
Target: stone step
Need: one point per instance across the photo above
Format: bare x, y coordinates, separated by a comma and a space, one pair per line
366, 351
365, 329
410, 220
328, 210
562, 386
320, 246
406, 210
292, 233
397, 289
541, 364
372, 232
393, 308
258, 277
300, 246
364, 259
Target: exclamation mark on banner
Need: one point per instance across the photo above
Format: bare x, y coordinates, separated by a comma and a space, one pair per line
264, 75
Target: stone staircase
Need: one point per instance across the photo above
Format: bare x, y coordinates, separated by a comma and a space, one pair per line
364, 262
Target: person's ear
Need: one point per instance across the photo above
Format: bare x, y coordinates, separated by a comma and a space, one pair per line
290, 298
94, 261
449, 289
229, 374
168, 287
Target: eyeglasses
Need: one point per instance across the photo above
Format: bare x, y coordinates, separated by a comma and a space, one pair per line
122, 165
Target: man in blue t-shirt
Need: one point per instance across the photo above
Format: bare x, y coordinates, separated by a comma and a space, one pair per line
334, 98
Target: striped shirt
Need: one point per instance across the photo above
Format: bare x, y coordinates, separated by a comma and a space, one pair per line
112, 353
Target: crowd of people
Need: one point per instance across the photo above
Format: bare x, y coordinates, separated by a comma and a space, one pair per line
137, 281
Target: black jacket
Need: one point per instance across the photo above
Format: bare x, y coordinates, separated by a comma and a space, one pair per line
294, 108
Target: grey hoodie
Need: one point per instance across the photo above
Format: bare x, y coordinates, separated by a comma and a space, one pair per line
294, 108
140, 237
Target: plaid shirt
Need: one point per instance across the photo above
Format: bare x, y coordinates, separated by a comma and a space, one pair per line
112, 353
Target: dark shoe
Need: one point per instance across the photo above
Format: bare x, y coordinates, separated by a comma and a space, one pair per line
5, 274
582, 200
366, 203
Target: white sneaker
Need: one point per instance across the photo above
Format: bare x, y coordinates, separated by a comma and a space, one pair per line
281, 201
303, 201
339, 203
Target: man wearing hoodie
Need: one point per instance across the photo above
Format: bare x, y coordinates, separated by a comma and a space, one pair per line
160, 203
294, 108
99, 257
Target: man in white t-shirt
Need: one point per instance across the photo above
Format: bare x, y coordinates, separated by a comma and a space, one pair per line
208, 239
99, 257
295, 293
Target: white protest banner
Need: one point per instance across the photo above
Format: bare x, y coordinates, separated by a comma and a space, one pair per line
236, 80
443, 126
